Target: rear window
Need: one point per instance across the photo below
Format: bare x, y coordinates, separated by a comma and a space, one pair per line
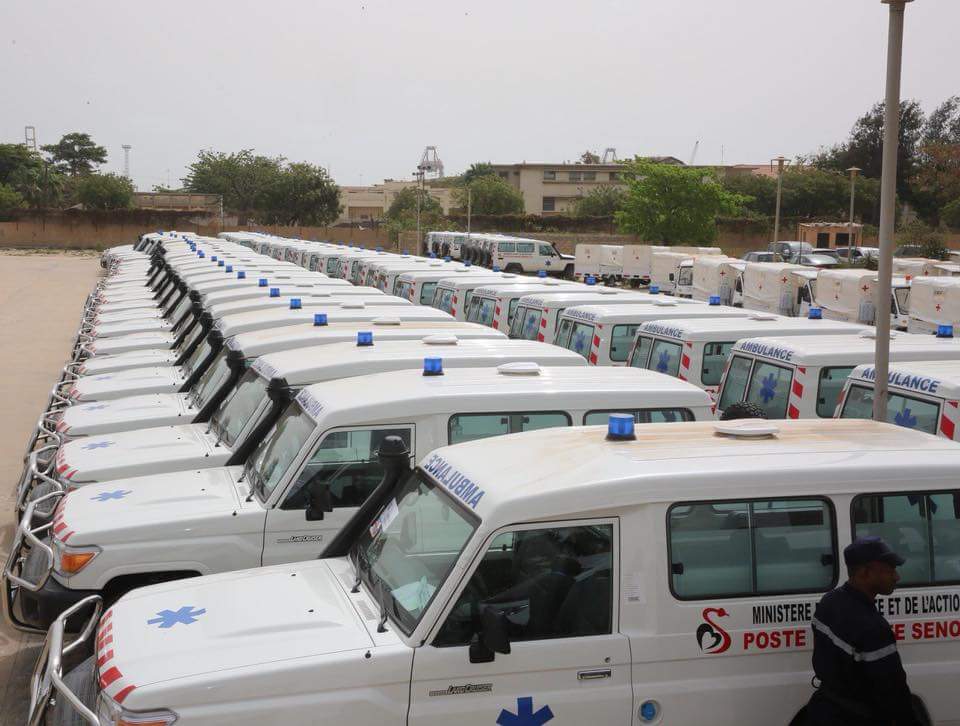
735, 384
665, 357
641, 352
645, 415
426, 292
526, 323
620, 342
906, 411
470, 426
442, 299
714, 358
770, 388
828, 389
481, 310
580, 338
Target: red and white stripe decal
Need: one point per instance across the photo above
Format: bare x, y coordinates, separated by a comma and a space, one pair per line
948, 419
496, 317
595, 350
111, 678
794, 402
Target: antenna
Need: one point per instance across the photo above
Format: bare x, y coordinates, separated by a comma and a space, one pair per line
693, 154
430, 163
30, 137
609, 156
126, 160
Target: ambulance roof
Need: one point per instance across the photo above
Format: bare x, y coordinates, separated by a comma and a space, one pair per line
547, 286
695, 329
552, 473
231, 325
643, 311
441, 274
505, 278
917, 376
342, 360
591, 294
847, 349
935, 281
409, 393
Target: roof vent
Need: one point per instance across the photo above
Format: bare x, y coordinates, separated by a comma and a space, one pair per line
353, 305
747, 428
665, 304
519, 368
441, 340
607, 291
764, 316
871, 333
386, 321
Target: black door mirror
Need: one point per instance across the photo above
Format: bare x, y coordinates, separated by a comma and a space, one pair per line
320, 501
493, 637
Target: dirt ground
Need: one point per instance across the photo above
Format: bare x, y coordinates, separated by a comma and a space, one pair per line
41, 299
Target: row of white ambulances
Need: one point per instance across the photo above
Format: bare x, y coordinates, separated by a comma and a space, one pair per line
662, 574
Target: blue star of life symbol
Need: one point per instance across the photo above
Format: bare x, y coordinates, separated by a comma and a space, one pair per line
664, 361
579, 342
115, 494
103, 378
905, 418
530, 323
168, 618
95, 407
768, 388
97, 445
525, 715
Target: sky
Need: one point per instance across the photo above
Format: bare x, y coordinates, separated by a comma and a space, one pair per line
362, 86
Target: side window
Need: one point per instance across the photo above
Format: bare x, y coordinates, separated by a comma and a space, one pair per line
347, 462
620, 342
550, 583
470, 426
764, 547
641, 352
581, 337
525, 248
505, 248
714, 358
828, 392
923, 527
546, 250
665, 358
770, 388
646, 415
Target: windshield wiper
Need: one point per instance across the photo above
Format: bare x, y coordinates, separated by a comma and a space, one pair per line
382, 624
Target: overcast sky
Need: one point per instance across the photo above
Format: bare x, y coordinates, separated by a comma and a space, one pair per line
363, 88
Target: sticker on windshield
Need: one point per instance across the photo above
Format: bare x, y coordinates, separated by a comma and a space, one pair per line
309, 403
414, 596
387, 516
265, 369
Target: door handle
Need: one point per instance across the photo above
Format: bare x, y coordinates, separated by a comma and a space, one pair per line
594, 675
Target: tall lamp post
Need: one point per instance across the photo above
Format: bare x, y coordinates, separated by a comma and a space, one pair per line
419, 175
853, 171
888, 199
780, 161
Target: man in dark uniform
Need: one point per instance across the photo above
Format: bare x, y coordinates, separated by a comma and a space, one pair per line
862, 681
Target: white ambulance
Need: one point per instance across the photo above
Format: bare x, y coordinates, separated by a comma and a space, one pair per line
803, 377
537, 316
665, 268
520, 255
921, 395
452, 294
779, 287
419, 287
934, 301
494, 305
915, 267
696, 349
638, 259
601, 262
663, 576
325, 440
387, 275
603, 334
715, 275
849, 295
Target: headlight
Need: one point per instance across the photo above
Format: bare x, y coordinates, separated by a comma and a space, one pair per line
70, 560
113, 714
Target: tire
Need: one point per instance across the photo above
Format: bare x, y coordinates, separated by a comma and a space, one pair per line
514, 269
568, 272
742, 409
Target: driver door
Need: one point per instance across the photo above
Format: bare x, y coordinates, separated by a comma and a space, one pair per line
346, 462
556, 585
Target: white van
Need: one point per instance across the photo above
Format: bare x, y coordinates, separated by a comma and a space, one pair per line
494, 305
715, 275
601, 262
921, 395
934, 301
326, 439
618, 590
452, 294
519, 255
603, 334
387, 275
537, 316
849, 295
802, 377
638, 259
696, 349
418, 287
916, 267
665, 267
779, 287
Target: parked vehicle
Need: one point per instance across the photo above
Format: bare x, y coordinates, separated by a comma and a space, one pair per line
934, 301
848, 295
791, 251
762, 256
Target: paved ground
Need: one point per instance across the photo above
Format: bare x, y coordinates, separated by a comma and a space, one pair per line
41, 298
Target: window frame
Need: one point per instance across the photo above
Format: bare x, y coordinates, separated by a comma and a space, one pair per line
908, 493
635, 348
831, 509
703, 358
565, 414
616, 546
757, 361
685, 412
820, 376
551, 207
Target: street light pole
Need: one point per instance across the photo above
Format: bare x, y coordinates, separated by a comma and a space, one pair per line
888, 200
853, 184
776, 218
469, 206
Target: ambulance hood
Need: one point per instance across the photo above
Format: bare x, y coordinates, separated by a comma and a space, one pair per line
108, 386
218, 624
126, 414
130, 343
127, 361
134, 453
127, 327
159, 508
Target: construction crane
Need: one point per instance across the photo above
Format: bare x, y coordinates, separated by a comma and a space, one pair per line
430, 163
693, 154
609, 156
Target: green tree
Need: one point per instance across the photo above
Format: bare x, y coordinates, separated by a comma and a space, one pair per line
943, 123
243, 178
301, 194
759, 192
76, 154
105, 192
10, 200
950, 215
674, 204
602, 201
490, 194
402, 213
477, 170
37, 182
931, 241
937, 181
588, 157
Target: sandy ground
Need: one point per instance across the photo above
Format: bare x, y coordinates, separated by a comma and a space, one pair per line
41, 299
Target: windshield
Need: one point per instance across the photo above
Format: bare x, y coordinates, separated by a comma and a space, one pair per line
279, 448
685, 277
903, 299
238, 408
197, 357
215, 376
408, 551
180, 308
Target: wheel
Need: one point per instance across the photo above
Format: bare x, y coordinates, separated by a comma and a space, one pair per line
513, 268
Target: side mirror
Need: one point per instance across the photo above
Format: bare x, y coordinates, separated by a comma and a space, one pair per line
320, 502
493, 637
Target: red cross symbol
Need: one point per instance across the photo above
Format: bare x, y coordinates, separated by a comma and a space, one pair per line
783, 279
722, 273
938, 307
865, 288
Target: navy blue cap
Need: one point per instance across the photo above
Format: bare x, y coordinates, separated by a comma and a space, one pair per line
870, 549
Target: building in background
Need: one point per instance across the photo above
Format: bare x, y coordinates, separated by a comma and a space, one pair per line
370, 204
826, 235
